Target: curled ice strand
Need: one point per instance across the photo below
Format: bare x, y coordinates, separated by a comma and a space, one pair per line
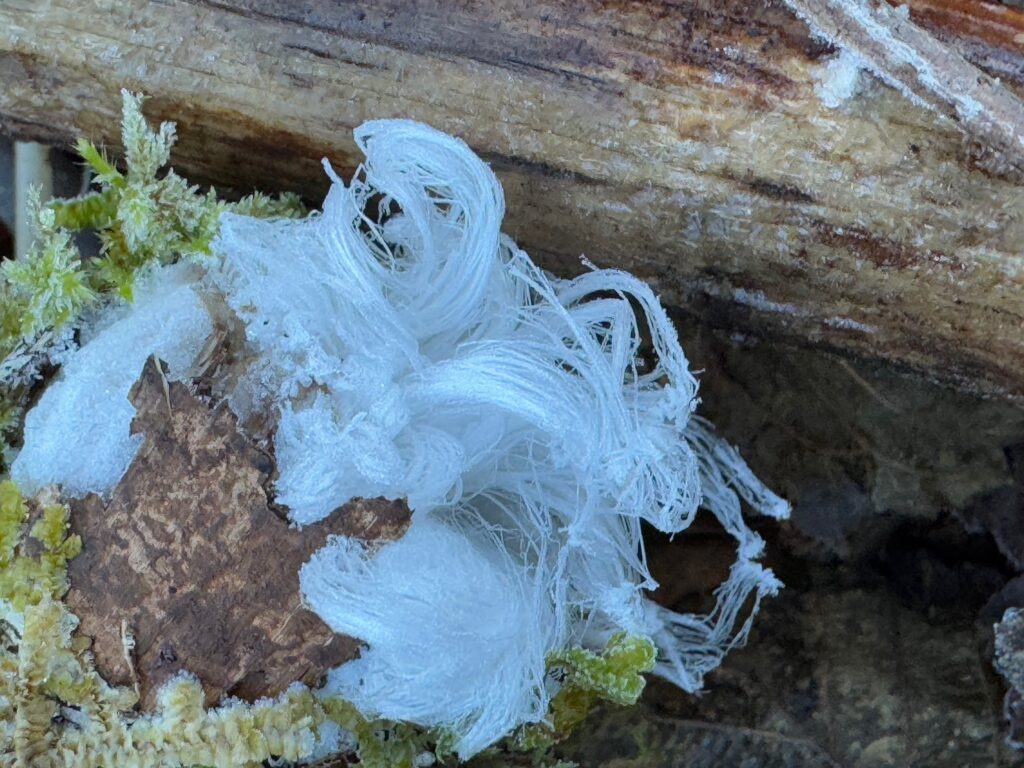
733, 470
690, 646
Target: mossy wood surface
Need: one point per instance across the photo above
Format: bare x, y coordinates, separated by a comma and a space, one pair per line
189, 559
683, 141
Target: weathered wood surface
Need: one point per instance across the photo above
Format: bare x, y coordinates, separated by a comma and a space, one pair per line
188, 558
681, 139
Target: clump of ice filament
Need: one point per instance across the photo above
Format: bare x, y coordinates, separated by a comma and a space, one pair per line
420, 354
79, 433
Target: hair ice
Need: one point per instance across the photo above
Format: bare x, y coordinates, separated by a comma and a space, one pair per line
409, 350
79, 433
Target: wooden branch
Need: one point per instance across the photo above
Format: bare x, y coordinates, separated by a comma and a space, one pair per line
682, 140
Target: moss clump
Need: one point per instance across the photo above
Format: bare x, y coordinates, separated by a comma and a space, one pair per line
386, 743
48, 286
141, 215
614, 675
13, 512
55, 708
29, 580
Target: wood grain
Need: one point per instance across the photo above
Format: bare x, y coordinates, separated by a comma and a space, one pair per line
680, 139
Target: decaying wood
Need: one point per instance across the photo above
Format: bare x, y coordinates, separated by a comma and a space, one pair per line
189, 558
680, 139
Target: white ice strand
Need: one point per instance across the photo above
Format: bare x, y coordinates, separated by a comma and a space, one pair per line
452, 210
78, 435
690, 646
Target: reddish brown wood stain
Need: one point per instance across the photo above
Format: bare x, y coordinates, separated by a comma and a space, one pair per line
994, 24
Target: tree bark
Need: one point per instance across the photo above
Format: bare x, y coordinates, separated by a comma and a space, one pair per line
680, 139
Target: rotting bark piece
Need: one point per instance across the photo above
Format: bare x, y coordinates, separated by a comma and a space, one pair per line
189, 557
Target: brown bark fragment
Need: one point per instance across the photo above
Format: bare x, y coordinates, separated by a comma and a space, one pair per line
188, 553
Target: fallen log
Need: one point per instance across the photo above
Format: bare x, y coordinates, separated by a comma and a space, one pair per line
685, 141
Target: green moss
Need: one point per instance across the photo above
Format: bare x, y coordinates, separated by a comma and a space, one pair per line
27, 580
614, 675
141, 215
386, 743
48, 285
13, 512
145, 215
96, 210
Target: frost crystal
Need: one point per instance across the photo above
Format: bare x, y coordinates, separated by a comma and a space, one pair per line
409, 350
838, 80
